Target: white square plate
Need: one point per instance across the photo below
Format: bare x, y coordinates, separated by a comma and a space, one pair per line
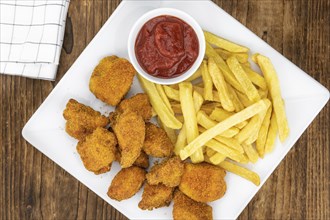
304, 98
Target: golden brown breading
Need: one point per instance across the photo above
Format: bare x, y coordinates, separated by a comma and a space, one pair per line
157, 143
139, 104
155, 196
142, 160
203, 182
82, 120
129, 129
168, 172
111, 79
185, 208
98, 150
126, 183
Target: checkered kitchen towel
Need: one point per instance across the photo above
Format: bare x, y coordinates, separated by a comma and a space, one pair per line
31, 37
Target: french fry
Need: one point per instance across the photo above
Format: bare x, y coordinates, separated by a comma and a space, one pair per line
172, 93
221, 127
224, 44
181, 141
220, 84
262, 136
250, 152
153, 113
253, 137
247, 130
169, 131
158, 105
217, 158
219, 114
229, 76
208, 123
198, 101
194, 76
241, 57
234, 98
230, 142
273, 85
263, 93
249, 89
209, 107
209, 152
254, 57
215, 94
176, 107
256, 78
189, 115
164, 97
244, 99
224, 150
271, 136
241, 171
208, 84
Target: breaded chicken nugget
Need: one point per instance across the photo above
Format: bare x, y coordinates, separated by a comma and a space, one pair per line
111, 79
185, 208
142, 161
98, 150
129, 129
155, 196
203, 182
82, 120
139, 104
168, 172
126, 183
157, 143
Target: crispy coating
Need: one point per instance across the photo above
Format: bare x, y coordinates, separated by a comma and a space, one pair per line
111, 79
126, 183
129, 129
203, 182
169, 172
139, 104
82, 120
155, 196
157, 143
98, 150
142, 161
185, 208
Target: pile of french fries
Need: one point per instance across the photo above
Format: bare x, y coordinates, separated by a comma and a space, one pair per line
226, 113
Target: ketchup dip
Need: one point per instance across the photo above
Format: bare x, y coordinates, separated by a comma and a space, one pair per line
166, 47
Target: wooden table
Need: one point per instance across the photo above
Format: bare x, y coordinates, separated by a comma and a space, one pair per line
34, 187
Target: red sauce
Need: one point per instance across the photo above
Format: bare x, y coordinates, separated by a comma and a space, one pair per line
166, 47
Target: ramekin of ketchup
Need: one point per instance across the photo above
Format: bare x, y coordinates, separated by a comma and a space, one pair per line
166, 46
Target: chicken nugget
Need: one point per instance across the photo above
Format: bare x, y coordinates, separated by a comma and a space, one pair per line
203, 182
168, 172
82, 120
126, 183
155, 196
129, 129
111, 79
185, 208
139, 104
98, 150
142, 161
157, 143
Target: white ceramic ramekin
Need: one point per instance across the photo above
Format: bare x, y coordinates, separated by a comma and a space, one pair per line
155, 13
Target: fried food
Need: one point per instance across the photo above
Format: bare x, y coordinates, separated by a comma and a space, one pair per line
157, 143
126, 183
82, 120
129, 129
98, 150
203, 182
111, 79
155, 196
185, 208
142, 161
168, 172
139, 104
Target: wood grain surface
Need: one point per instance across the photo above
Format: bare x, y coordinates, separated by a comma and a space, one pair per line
34, 187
